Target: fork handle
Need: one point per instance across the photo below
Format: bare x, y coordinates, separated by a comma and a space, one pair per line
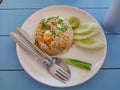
27, 39
17, 39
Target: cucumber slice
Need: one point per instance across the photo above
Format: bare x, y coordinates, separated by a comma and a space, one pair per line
85, 28
90, 43
92, 32
74, 21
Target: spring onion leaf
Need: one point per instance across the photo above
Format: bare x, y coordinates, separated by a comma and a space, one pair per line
78, 63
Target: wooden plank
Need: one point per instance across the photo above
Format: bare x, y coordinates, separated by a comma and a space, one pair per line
19, 80
9, 60
113, 51
7, 4
8, 56
10, 19
13, 18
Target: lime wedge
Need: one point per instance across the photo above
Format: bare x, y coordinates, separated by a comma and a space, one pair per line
74, 21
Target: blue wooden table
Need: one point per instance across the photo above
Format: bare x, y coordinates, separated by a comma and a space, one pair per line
13, 77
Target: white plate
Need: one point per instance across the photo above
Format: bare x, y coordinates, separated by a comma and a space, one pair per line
37, 71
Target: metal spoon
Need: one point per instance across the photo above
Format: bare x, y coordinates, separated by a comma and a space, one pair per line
64, 71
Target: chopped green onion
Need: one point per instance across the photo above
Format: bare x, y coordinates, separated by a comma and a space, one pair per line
42, 21
53, 33
64, 28
57, 17
57, 35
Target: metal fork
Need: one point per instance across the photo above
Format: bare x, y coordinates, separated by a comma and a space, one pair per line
56, 67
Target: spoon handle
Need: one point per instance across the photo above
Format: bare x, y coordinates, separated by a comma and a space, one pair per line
20, 42
27, 39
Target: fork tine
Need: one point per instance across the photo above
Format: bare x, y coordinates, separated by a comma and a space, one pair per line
61, 78
59, 73
64, 73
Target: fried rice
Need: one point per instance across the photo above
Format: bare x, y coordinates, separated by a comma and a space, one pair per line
54, 35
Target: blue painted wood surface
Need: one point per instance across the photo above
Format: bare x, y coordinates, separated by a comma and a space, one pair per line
12, 4
19, 80
12, 76
16, 16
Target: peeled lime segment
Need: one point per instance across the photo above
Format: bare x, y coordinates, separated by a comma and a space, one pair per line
90, 43
74, 21
85, 28
92, 32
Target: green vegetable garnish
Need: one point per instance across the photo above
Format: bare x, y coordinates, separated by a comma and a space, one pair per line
77, 63
42, 21
58, 35
53, 33
64, 28
60, 21
57, 17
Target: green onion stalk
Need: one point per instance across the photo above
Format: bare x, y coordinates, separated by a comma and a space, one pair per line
78, 63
